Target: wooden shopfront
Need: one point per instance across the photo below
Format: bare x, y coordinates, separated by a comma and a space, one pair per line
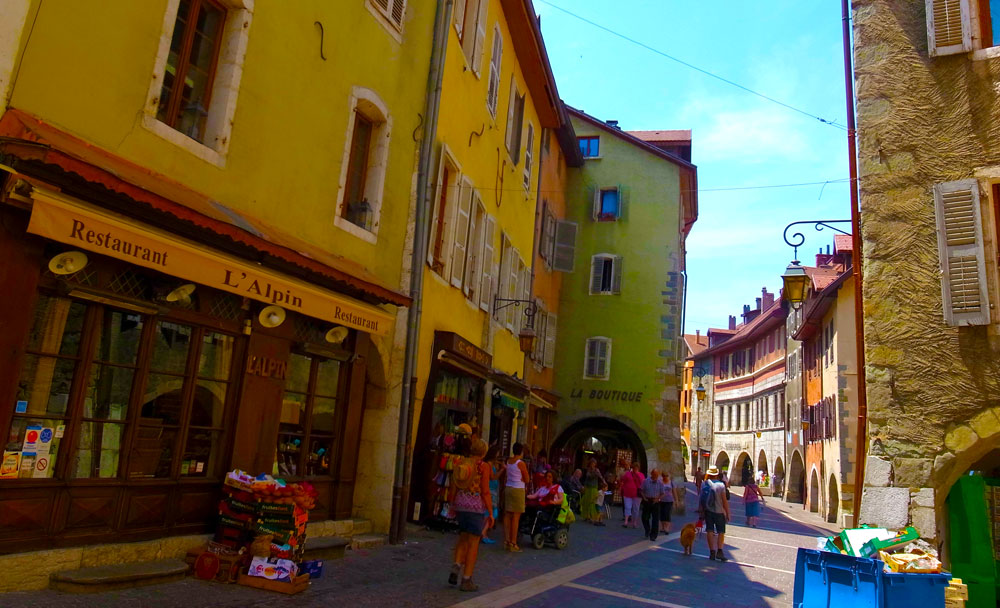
130, 389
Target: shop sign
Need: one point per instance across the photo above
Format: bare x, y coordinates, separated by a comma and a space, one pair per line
451, 341
607, 395
11, 465
267, 367
76, 225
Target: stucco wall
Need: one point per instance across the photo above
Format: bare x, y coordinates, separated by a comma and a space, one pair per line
922, 120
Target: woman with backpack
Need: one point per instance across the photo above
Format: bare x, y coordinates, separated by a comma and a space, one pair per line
474, 507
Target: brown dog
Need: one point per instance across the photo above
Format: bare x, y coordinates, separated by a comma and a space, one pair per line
687, 538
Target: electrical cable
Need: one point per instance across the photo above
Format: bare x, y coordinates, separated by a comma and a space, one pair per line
823, 183
693, 67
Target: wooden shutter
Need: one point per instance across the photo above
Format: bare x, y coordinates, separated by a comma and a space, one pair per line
949, 28
529, 156
394, 10
525, 294
503, 274
616, 278
603, 357
590, 356
564, 255
551, 325
460, 17
440, 192
474, 255
493, 93
512, 286
960, 246
596, 273
511, 113
596, 211
622, 199
477, 50
462, 222
518, 129
486, 288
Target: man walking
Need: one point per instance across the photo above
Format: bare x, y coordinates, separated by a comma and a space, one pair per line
651, 491
714, 506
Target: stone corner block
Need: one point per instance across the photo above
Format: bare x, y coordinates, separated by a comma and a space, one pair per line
912, 472
924, 497
960, 438
943, 464
986, 423
885, 507
923, 519
878, 472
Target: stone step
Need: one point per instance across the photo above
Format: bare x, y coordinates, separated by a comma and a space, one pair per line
326, 547
118, 576
367, 541
361, 526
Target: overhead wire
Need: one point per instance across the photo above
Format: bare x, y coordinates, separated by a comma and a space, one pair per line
652, 49
823, 183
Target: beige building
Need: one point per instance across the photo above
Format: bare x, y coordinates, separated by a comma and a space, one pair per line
928, 109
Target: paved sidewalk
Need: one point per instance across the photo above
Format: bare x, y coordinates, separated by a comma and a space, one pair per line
610, 559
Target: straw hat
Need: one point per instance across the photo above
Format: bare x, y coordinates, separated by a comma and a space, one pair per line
478, 448
712, 471
464, 429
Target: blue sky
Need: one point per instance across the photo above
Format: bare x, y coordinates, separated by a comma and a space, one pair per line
792, 51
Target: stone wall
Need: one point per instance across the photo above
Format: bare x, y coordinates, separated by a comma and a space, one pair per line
922, 120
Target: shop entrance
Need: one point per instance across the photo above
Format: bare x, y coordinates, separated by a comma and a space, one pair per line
795, 479
600, 438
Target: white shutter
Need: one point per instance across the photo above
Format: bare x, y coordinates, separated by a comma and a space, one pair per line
440, 191
616, 277
473, 258
596, 273
397, 12
493, 92
486, 288
564, 255
603, 354
960, 246
477, 51
511, 111
590, 359
529, 156
460, 16
503, 274
551, 325
597, 202
461, 237
512, 286
525, 295
949, 28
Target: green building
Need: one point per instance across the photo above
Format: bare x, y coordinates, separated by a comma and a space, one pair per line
620, 352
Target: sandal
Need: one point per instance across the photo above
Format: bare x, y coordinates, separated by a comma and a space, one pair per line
515, 549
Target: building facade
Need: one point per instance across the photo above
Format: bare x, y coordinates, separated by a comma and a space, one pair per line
748, 403
926, 76
699, 393
207, 254
633, 204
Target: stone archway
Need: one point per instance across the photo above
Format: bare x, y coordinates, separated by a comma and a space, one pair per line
795, 481
833, 501
742, 471
610, 433
778, 477
814, 491
722, 461
762, 463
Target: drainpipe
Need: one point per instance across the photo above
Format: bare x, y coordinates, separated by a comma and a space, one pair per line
401, 478
861, 446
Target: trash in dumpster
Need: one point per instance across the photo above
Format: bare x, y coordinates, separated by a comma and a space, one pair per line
913, 562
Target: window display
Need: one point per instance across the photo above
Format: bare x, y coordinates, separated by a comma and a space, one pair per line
308, 408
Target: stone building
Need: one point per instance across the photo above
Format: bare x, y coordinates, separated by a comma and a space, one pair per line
929, 118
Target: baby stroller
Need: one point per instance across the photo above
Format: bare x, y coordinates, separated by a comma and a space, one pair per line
547, 525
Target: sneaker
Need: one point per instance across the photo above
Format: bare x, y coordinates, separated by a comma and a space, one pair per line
489, 541
719, 556
468, 585
453, 576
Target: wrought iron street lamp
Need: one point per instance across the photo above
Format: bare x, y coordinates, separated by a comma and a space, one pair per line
795, 279
526, 337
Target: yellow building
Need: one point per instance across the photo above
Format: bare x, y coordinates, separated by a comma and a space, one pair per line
498, 93
205, 209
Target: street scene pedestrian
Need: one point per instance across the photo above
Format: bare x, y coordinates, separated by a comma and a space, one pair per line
651, 492
666, 504
592, 481
515, 475
714, 506
471, 500
630, 483
753, 500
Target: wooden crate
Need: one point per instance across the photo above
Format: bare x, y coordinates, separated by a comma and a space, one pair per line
299, 583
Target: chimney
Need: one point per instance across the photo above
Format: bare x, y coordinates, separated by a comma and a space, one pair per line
612, 123
758, 304
697, 336
732, 322
768, 298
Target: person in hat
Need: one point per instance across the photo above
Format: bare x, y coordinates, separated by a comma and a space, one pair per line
714, 505
473, 507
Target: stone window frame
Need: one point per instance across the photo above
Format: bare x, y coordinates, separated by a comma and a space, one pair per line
225, 88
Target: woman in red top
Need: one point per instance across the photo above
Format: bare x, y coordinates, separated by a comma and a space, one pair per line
630, 483
550, 492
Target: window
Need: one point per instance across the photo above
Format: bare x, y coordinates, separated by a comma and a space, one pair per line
605, 274
529, 155
493, 90
190, 70
515, 122
962, 257
590, 147
564, 250
488, 273
470, 23
448, 191
86, 393
597, 363
540, 322
308, 417
474, 255
551, 327
363, 170
607, 207
547, 234
463, 224
392, 11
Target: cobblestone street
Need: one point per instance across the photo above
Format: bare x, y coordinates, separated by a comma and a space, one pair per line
607, 566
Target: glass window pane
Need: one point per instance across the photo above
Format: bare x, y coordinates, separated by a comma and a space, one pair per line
298, 373
216, 356
171, 345
201, 453
38, 458
162, 402
209, 403
323, 415
318, 458
108, 392
328, 377
286, 457
118, 337
98, 450
58, 326
293, 413
609, 202
358, 162
45, 384
153, 452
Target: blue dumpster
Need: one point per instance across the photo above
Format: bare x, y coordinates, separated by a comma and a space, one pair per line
833, 580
